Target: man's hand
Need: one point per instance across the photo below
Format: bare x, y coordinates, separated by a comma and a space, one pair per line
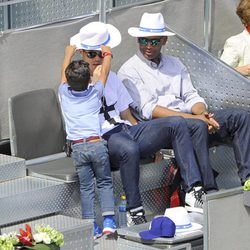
213, 125
105, 49
245, 70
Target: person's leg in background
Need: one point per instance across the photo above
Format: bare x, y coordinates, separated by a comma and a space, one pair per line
235, 130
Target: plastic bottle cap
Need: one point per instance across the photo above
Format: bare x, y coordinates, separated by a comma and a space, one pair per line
123, 197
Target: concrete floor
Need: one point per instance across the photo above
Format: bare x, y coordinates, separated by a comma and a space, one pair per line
106, 242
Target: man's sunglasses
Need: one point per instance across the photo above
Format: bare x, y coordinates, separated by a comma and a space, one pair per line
93, 54
153, 42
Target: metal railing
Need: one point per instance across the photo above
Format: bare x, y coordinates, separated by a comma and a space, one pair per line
207, 23
26, 14
21, 14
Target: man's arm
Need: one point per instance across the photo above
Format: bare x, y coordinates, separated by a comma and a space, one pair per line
160, 111
245, 70
126, 115
199, 108
68, 54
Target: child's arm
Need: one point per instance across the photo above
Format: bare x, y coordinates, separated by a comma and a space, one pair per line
68, 54
107, 54
96, 74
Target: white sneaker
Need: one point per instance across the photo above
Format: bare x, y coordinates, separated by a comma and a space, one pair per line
193, 200
136, 218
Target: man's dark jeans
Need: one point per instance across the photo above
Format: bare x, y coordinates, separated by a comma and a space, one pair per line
127, 146
190, 140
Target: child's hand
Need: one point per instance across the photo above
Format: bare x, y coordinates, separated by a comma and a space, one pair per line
96, 73
68, 54
105, 49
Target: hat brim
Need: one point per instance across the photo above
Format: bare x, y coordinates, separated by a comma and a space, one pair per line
136, 32
195, 226
147, 235
115, 39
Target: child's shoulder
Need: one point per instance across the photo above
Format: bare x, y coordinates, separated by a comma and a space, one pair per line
63, 87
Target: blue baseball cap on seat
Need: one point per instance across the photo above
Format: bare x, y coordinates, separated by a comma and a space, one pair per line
160, 226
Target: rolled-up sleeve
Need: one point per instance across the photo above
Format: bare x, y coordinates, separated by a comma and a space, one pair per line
124, 99
117, 93
189, 94
144, 101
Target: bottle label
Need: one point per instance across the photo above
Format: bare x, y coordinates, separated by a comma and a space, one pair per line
122, 208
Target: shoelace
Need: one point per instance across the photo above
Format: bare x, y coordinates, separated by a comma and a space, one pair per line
198, 197
138, 219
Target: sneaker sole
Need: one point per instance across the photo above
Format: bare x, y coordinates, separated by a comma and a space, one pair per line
194, 209
97, 236
108, 230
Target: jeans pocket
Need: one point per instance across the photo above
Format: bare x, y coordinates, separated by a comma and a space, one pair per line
76, 155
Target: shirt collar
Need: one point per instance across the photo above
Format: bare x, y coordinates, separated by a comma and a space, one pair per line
246, 33
81, 93
148, 62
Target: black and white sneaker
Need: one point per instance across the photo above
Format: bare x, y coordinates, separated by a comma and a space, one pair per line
193, 200
136, 218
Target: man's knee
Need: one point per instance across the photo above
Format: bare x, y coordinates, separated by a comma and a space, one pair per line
177, 120
172, 121
124, 155
123, 148
240, 114
200, 125
130, 149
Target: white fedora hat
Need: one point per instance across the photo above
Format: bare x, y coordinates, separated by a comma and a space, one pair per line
95, 34
180, 217
152, 24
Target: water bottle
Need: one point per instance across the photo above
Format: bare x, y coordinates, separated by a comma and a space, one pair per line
122, 212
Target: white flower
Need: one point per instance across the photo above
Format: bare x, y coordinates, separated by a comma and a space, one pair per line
53, 236
38, 237
4, 236
46, 239
42, 237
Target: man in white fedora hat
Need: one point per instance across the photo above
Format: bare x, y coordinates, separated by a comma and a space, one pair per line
161, 87
127, 143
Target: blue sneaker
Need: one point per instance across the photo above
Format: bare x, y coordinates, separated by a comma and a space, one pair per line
109, 225
97, 231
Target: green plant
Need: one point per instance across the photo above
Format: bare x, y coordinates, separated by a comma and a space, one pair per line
44, 238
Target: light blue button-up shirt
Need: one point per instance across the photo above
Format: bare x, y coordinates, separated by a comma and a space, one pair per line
167, 84
81, 110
